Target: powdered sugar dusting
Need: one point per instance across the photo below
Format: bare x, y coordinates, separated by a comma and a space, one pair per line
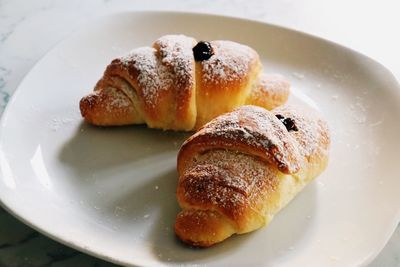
153, 76
230, 62
251, 128
272, 85
167, 66
176, 51
312, 137
118, 100
224, 177
255, 127
231, 181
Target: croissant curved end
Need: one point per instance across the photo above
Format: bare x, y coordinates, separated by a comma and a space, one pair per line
108, 107
202, 228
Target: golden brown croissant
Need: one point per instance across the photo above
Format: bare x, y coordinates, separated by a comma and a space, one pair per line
241, 168
179, 85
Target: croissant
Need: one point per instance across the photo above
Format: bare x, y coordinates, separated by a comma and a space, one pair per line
241, 168
179, 85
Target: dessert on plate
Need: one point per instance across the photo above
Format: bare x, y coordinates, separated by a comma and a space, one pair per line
250, 155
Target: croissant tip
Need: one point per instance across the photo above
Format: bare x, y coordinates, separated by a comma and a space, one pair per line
193, 244
86, 105
202, 228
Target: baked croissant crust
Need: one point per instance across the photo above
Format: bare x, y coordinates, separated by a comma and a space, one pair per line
241, 168
165, 87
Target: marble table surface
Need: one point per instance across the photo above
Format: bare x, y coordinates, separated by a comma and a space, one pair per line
28, 29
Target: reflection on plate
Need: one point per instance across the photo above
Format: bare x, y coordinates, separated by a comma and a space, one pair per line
111, 191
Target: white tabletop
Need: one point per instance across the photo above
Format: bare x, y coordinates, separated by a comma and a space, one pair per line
28, 29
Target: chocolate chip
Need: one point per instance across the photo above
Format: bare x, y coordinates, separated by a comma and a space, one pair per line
202, 51
288, 122
280, 117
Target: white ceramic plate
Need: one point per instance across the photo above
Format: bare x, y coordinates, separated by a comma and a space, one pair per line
111, 192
